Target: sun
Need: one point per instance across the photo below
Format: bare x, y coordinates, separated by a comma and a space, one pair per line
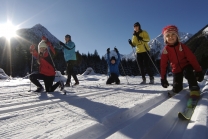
8, 30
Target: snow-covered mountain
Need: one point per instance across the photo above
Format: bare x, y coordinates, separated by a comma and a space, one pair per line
28, 36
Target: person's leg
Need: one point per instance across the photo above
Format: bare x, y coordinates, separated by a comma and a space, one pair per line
189, 75
140, 62
69, 73
74, 74
34, 79
193, 85
110, 80
147, 63
177, 82
48, 80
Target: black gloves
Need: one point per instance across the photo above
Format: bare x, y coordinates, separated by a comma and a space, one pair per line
116, 50
108, 50
139, 38
61, 43
164, 83
130, 42
137, 35
199, 76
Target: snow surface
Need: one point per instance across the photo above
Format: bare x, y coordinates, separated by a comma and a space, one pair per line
94, 110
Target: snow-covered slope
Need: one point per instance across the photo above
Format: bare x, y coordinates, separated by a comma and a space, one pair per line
94, 110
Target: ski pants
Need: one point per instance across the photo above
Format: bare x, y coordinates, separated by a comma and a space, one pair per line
48, 81
178, 79
144, 64
70, 71
113, 78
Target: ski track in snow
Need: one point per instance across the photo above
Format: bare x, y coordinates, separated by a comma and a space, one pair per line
96, 110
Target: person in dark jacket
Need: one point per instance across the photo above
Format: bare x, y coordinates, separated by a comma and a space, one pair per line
68, 49
46, 68
113, 65
182, 61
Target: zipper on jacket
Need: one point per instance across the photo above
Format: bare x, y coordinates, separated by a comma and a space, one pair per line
178, 59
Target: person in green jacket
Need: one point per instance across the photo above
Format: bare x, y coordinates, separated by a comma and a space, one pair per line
140, 40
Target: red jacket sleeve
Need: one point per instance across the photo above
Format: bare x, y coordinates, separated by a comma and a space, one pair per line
192, 59
163, 63
51, 47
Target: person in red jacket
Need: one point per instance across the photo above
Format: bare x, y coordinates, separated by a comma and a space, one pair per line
46, 68
183, 63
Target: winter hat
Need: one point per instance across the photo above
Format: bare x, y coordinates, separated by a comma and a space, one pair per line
137, 24
113, 58
168, 28
42, 44
67, 36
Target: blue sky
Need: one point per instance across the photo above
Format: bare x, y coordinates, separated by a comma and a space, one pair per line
101, 24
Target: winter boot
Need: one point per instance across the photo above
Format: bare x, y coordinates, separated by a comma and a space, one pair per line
61, 85
151, 80
171, 93
144, 81
39, 89
76, 83
67, 85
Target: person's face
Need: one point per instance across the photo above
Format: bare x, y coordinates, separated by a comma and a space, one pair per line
67, 39
42, 49
171, 37
113, 61
136, 28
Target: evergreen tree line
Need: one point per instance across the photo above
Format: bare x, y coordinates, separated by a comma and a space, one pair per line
17, 62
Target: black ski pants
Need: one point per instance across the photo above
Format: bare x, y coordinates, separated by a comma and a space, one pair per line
144, 64
113, 78
48, 81
70, 71
178, 79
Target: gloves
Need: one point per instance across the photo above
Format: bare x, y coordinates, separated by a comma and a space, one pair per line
130, 42
32, 48
116, 50
61, 43
199, 76
139, 38
108, 50
164, 83
137, 35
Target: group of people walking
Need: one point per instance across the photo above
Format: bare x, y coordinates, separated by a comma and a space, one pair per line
175, 53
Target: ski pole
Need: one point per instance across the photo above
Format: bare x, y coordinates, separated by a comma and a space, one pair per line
136, 60
122, 66
151, 60
124, 72
56, 70
31, 69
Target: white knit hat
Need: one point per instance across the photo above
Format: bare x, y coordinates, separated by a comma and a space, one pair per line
42, 44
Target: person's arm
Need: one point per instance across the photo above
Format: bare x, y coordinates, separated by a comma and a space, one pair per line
145, 37
192, 58
164, 63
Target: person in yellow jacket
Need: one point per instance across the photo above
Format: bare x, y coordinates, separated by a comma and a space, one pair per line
140, 40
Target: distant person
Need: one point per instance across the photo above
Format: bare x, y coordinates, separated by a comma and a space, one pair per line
70, 57
113, 65
182, 61
46, 68
140, 40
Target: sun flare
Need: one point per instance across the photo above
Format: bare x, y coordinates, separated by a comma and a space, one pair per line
8, 30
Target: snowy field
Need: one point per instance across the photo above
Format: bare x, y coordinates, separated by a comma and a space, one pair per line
94, 110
